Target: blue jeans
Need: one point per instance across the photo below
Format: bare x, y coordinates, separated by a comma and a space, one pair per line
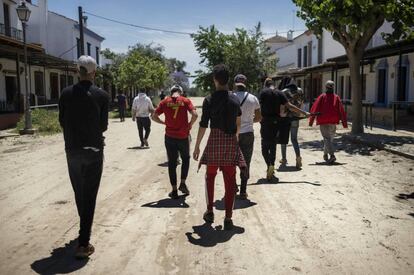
294, 139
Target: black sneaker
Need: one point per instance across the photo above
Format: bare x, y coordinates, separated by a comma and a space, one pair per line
83, 252
243, 196
173, 195
236, 188
183, 188
332, 159
142, 145
325, 157
208, 216
228, 224
146, 142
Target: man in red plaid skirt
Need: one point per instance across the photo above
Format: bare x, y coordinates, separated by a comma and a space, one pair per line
222, 110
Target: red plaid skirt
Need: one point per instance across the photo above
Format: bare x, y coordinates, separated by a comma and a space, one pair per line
222, 150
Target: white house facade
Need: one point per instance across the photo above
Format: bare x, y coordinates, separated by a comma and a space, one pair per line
387, 73
53, 47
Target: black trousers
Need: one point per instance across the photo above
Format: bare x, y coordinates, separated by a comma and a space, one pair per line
122, 112
85, 171
174, 147
269, 131
143, 123
246, 143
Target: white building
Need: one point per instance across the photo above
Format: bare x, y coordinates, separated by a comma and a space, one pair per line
53, 46
312, 61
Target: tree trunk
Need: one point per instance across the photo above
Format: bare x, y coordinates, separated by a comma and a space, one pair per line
354, 68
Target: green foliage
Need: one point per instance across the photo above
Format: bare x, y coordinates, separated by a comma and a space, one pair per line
242, 51
45, 121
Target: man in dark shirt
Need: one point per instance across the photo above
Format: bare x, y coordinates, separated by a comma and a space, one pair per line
83, 115
122, 104
222, 110
270, 102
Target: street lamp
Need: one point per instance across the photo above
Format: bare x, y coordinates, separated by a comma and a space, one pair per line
23, 13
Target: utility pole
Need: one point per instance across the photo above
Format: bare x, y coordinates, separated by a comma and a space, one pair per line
81, 39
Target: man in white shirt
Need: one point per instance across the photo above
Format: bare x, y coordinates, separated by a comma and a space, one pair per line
250, 108
142, 109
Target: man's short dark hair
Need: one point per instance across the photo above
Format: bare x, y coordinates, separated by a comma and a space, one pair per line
221, 74
268, 82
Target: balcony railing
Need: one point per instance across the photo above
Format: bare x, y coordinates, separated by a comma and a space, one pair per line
11, 32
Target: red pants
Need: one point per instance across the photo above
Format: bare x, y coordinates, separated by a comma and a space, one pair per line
229, 175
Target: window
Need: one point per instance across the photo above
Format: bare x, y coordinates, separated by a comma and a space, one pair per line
299, 58
402, 85
62, 81
6, 13
364, 86
310, 53
78, 47
305, 56
320, 50
88, 45
342, 87
97, 55
39, 83
54, 86
349, 89
382, 74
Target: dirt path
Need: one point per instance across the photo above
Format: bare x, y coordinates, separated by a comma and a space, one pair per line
353, 218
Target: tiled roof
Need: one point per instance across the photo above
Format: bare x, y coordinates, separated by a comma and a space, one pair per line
276, 39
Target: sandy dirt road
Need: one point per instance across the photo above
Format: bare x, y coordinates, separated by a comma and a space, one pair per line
353, 218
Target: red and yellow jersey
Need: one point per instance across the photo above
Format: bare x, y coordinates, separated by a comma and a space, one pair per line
176, 111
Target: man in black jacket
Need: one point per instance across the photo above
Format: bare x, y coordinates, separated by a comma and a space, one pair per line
83, 115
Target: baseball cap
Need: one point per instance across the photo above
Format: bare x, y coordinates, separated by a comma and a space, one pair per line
240, 80
176, 87
330, 84
88, 63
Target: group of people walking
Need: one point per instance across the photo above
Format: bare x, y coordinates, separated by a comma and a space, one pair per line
229, 115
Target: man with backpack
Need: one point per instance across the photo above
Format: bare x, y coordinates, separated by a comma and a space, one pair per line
250, 108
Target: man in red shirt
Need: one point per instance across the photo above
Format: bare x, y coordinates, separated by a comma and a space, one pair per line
177, 130
331, 111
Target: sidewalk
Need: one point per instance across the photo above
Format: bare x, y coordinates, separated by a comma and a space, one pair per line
397, 142
8, 133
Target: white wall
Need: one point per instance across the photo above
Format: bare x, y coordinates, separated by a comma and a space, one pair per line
331, 47
286, 57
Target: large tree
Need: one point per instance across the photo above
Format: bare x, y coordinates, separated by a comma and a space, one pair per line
142, 71
242, 51
353, 23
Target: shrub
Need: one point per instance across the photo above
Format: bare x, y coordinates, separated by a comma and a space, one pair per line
46, 122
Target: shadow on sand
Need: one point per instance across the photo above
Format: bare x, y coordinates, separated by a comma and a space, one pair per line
324, 163
238, 204
61, 261
138, 148
207, 236
341, 144
265, 181
168, 203
284, 168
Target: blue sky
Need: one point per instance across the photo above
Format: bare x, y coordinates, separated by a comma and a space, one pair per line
178, 15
